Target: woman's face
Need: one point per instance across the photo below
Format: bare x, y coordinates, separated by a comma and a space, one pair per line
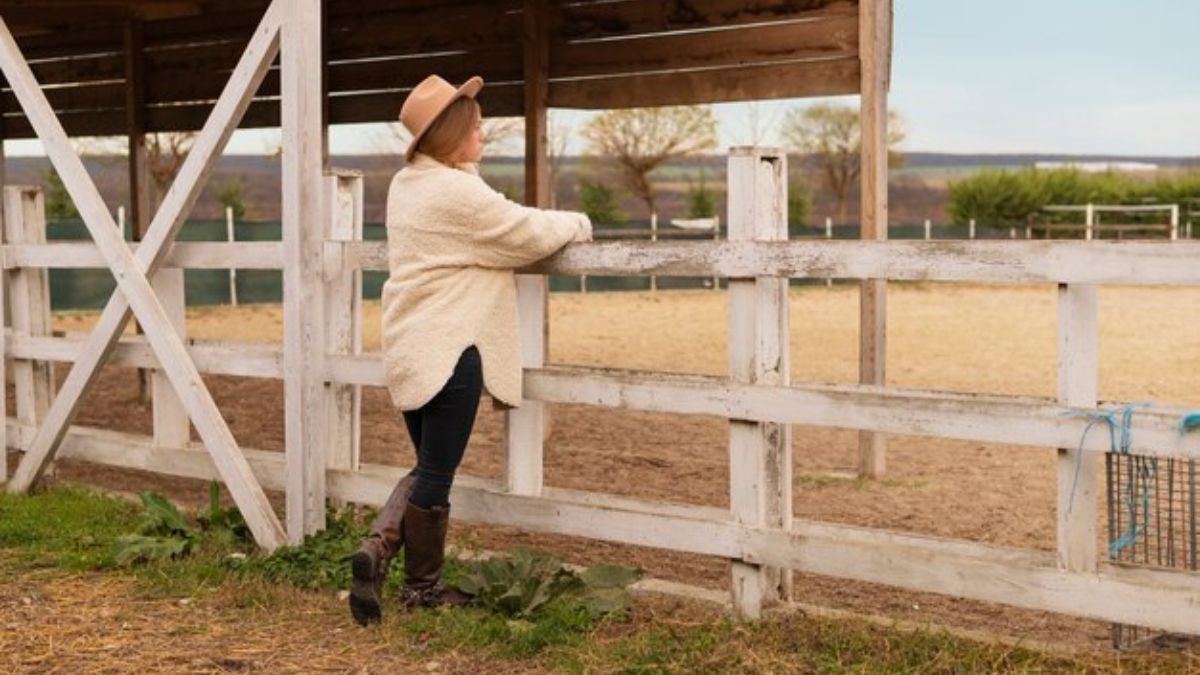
471, 149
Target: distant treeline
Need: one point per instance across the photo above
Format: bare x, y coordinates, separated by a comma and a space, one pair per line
1000, 197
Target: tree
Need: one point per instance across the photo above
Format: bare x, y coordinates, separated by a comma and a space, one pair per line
599, 202
831, 135
59, 205
799, 202
639, 140
701, 201
165, 154
231, 195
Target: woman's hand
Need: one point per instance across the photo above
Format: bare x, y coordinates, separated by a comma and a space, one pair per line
585, 228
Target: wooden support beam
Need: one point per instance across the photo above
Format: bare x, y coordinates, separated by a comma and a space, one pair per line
875, 27
131, 273
760, 453
303, 295
527, 427
171, 425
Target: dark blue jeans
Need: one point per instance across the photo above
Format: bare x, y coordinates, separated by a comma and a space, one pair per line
440, 430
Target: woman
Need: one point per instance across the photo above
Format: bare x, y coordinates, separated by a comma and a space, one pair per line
449, 326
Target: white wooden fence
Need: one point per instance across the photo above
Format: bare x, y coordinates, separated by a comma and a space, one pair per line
757, 532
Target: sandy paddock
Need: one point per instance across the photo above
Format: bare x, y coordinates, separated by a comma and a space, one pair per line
993, 339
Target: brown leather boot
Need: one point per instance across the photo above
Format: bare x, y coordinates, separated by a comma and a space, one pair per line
424, 557
369, 564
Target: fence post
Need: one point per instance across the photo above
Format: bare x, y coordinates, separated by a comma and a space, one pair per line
760, 453
928, 230
716, 237
303, 179
1174, 222
1077, 386
343, 208
971, 229
232, 271
653, 238
829, 237
1089, 221
29, 306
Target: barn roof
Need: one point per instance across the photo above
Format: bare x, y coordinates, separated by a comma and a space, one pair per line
602, 54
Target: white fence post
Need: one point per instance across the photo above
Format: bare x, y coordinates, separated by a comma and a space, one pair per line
302, 66
343, 208
525, 426
232, 270
971, 229
1089, 221
29, 304
716, 280
1077, 386
172, 427
1174, 222
653, 237
828, 236
928, 230
760, 453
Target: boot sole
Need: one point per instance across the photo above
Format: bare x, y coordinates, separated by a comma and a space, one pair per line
364, 602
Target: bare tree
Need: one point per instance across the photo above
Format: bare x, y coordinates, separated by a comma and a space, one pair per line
760, 123
832, 135
640, 140
559, 132
165, 154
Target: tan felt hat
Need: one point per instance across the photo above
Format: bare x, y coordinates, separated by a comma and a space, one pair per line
427, 100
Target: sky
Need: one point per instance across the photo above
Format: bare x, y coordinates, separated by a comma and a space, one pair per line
1047, 76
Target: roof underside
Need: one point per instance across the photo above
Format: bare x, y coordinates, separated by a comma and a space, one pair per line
602, 54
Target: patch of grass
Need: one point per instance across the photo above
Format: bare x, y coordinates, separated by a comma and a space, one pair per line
561, 624
70, 528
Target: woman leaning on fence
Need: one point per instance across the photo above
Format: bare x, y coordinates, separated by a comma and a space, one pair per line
450, 326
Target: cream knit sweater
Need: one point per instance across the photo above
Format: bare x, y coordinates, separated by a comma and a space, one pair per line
453, 243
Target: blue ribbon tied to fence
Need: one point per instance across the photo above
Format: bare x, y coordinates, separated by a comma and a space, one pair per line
1120, 434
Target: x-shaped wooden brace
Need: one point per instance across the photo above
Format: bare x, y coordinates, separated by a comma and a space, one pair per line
132, 271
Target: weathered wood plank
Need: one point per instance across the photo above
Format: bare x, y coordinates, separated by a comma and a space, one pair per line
826, 77
760, 458
343, 199
579, 21
1078, 384
1117, 263
837, 37
239, 360
257, 255
875, 28
303, 296
1125, 263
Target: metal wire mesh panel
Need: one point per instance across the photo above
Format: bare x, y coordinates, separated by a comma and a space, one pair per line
1151, 521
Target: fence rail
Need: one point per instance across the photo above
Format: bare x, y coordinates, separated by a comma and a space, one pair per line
1040, 261
757, 532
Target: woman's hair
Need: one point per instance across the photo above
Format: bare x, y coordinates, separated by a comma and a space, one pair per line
450, 128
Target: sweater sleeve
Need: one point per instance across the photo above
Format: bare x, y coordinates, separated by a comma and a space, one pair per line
503, 233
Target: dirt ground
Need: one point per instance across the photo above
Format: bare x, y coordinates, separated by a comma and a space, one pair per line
995, 339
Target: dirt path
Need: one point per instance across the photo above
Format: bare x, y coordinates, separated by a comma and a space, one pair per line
52, 622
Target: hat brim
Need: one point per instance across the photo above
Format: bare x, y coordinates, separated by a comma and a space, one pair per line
469, 88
